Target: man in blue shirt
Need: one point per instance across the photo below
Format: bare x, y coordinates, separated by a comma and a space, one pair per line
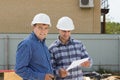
65, 50
32, 55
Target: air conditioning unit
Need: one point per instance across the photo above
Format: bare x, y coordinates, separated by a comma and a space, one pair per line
86, 3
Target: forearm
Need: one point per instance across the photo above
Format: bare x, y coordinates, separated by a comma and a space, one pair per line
27, 73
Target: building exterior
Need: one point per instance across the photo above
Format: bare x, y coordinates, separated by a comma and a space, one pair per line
16, 15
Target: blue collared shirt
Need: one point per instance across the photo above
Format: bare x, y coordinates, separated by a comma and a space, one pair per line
32, 59
64, 54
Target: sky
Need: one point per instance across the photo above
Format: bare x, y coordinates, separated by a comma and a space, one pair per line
114, 11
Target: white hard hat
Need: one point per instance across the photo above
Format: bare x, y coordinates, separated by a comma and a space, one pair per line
65, 23
41, 18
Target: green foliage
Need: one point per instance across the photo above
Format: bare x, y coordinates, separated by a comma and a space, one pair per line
104, 71
112, 28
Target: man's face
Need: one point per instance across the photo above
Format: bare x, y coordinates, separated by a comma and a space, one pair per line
64, 35
41, 30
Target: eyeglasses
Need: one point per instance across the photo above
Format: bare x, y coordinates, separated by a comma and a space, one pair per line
40, 28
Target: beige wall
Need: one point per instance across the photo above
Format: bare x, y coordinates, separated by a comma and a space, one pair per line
16, 15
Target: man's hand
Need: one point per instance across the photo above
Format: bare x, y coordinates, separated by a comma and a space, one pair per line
49, 77
63, 73
86, 64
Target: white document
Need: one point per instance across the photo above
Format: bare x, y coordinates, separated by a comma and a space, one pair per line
76, 63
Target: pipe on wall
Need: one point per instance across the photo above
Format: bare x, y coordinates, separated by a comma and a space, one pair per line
6, 52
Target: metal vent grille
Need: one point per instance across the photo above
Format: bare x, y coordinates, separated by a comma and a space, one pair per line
85, 2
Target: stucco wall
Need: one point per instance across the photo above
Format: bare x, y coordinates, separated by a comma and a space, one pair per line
16, 15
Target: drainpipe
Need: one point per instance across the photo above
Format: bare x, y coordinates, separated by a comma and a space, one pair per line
6, 55
119, 54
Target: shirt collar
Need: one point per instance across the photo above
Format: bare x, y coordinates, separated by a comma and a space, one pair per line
60, 43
